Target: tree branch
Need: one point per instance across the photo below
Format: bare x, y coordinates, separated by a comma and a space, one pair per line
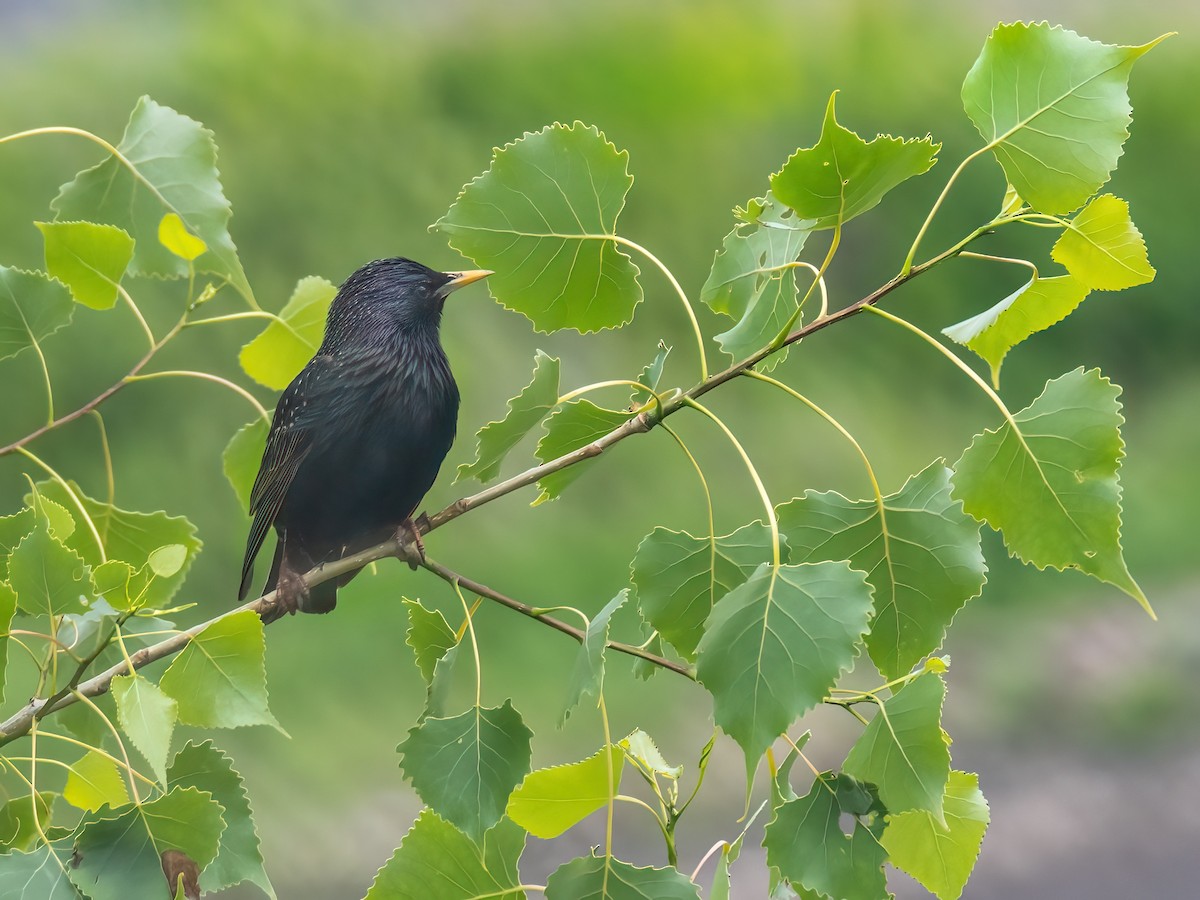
19, 724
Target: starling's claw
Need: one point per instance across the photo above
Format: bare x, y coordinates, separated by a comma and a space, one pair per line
408, 536
291, 593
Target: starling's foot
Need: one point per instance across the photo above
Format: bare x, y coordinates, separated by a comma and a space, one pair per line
408, 536
291, 593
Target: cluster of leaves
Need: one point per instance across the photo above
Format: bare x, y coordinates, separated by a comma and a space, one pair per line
768, 618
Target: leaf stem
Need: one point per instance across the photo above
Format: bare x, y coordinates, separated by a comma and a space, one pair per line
206, 376
912, 252
74, 497
768, 507
687, 305
137, 314
469, 620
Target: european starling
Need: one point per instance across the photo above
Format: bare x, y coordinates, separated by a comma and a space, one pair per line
359, 435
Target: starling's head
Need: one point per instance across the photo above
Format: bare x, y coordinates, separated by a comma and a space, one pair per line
394, 293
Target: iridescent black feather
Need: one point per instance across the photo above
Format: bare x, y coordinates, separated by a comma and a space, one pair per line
358, 437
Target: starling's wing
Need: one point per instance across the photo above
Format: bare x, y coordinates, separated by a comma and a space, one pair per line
288, 444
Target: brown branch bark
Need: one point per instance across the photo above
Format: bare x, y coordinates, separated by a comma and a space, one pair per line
19, 724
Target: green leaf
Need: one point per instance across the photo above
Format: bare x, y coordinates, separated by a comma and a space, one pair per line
218, 679
1029, 309
466, 766
243, 455
89, 259
941, 858
429, 635
204, 767
8, 606
903, 751
921, 554
587, 677
174, 235
640, 747
132, 537
1048, 480
1102, 247
540, 216
753, 280
120, 858
524, 412
843, 176
48, 577
806, 844
174, 163
570, 427
679, 578
37, 875
283, 348
18, 830
1053, 108
436, 861
32, 307
650, 376
148, 716
167, 559
110, 580
605, 878
774, 646
437, 695
94, 781
549, 801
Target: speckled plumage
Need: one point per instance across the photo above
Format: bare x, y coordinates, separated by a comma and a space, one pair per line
359, 435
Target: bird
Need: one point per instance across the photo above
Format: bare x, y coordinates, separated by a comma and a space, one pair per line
360, 433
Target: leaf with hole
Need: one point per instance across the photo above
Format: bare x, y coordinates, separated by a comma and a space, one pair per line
805, 842
544, 217
119, 858
903, 751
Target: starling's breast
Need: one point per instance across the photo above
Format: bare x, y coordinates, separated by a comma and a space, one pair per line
388, 429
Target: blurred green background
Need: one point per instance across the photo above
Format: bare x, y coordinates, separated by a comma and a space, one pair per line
346, 129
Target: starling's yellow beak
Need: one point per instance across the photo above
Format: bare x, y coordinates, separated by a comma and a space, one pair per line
462, 279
